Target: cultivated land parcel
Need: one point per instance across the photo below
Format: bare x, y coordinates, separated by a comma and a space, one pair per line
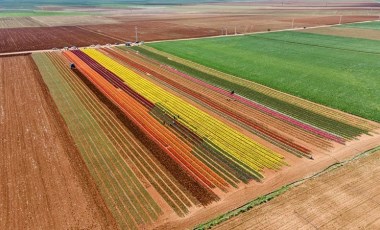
348, 197
170, 135
167, 149
329, 70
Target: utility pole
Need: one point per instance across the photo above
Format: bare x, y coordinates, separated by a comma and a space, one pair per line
340, 19
226, 31
136, 34
235, 31
293, 23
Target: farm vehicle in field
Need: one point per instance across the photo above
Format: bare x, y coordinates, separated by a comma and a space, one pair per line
138, 43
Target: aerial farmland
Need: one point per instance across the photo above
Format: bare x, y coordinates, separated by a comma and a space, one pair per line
189, 115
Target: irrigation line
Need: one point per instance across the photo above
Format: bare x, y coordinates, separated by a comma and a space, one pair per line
265, 198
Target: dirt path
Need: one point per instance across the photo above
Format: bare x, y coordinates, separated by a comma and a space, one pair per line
347, 197
44, 182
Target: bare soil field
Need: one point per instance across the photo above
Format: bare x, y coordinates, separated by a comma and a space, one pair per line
152, 30
243, 23
19, 22
330, 20
74, 20
257, 23
110, 25
24, 39
44, 181
305, 8
166, 27
346, 32
347, 197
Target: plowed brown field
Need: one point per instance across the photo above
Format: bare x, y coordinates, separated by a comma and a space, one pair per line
346, 198
152, 30
329, 20
18, 22
44, 182
73, 20
256, 23
24, 39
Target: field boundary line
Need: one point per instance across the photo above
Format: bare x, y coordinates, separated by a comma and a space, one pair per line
304, 219
265, 198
